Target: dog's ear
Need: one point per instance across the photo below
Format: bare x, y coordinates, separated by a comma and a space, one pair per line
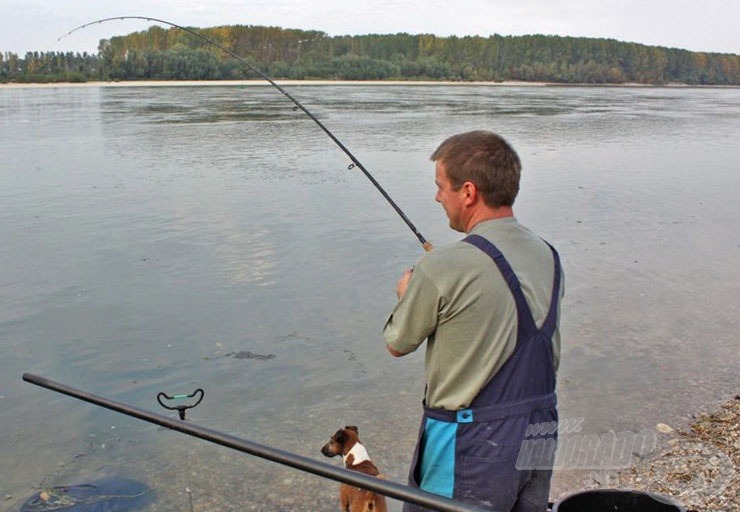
352, 428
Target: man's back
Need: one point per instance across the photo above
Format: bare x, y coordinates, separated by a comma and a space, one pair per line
475, 328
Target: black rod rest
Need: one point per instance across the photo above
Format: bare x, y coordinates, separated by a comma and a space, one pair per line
180, 408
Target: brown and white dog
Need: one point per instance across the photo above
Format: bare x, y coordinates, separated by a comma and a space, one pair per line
346, 442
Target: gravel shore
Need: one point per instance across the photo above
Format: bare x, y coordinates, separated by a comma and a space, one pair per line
699, 467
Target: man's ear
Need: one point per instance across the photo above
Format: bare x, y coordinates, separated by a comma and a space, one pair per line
471, 192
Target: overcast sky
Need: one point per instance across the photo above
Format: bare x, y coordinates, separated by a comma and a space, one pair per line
708, 25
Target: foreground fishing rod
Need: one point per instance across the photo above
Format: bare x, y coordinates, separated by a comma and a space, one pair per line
355, 162
390, 489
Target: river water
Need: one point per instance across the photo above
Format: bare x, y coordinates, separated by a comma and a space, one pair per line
163, 239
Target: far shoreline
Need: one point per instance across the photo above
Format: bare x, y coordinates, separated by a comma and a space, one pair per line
261, 82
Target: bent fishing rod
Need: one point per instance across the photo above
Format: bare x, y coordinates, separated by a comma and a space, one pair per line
340, 474
298, 105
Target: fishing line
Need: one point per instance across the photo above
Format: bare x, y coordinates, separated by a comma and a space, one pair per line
354, 161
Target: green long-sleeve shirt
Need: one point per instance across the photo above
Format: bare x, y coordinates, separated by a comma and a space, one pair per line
458, 301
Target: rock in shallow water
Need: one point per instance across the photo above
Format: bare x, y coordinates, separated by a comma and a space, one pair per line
114, 494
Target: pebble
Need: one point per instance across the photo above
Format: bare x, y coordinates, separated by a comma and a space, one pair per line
664, 429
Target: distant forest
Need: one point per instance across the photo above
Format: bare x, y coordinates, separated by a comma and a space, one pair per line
172, 54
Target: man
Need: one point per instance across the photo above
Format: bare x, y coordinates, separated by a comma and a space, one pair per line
488, 308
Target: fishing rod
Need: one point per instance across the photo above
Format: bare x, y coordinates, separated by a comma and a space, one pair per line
340, 474
298, 105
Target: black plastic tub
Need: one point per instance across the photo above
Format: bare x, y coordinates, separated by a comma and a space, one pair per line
616, 500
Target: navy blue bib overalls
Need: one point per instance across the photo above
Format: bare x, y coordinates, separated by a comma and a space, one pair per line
472, 454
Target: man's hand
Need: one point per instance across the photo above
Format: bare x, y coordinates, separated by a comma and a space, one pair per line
403, 283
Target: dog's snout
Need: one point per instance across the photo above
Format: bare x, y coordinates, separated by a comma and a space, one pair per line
326, 450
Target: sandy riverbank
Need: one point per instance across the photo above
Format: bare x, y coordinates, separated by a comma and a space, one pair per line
184, 83
260, 82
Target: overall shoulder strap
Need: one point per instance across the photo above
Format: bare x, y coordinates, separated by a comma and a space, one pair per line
548, 326
524, 314
551, 319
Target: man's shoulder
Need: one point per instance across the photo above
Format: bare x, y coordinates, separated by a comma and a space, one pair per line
447, 251
449, 258
510, 234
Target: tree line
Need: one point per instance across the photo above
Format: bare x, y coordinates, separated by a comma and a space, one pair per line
172, 54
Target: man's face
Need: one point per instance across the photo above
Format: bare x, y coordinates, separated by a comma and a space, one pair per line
450, 199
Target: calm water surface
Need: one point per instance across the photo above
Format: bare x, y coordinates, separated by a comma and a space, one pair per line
151, 235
